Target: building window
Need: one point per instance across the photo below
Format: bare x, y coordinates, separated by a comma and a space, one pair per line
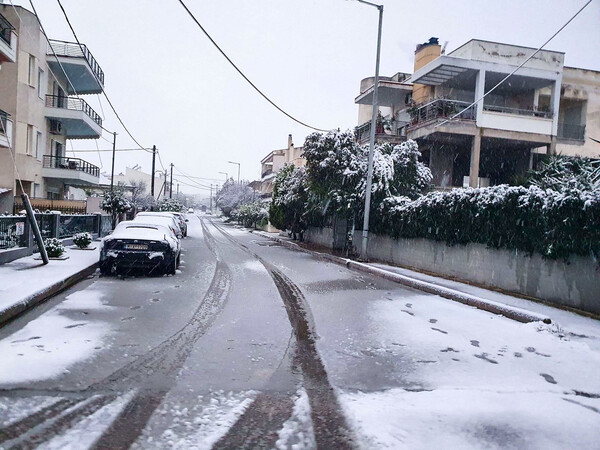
38, 145
29, 145
37, 190
31, 75
40, 85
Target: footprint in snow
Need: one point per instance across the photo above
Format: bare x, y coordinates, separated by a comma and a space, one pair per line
156, 300
25, 340
407, 312
432, 320
408, 305
76, 325
133, 308
449, 349
475, 343
441, 331
530, 349
484, 356
549, 378
518, 355
125, 319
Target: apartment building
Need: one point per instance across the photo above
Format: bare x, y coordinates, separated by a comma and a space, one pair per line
275, 160
40, 95
544, 108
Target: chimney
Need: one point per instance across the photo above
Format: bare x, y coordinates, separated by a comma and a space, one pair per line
424, 54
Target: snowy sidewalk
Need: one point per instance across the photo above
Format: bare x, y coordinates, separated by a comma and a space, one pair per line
567, 321
26, 282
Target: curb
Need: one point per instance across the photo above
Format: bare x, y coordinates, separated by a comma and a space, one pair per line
510, 312
27, 303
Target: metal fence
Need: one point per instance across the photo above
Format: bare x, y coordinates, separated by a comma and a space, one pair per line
74, 104
46, 224
70, 225
64, 162
105, 225
12, 232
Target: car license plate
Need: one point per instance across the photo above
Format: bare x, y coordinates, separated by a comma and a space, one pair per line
136, 247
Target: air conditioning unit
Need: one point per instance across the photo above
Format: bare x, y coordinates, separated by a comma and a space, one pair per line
55, 127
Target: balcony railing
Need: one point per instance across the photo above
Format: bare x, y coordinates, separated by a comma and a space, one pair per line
74, 104
440, 109
395, 134
522, 112
62, 162
74, 50
571, 132
5, 29
266, 173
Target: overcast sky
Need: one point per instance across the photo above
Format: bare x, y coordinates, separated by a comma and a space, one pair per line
173, 89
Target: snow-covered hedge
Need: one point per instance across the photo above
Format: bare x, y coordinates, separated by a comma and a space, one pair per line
250, 214
554, 224
170, 205
54, 247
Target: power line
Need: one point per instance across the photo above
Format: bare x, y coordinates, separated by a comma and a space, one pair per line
189, 177
110, 150
96, 77
513, 72
242, 73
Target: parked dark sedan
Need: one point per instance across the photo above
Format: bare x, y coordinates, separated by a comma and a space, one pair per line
138, 245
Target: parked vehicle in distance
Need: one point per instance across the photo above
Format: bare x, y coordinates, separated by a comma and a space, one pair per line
190, 210
135, 244
162, 218
182, 222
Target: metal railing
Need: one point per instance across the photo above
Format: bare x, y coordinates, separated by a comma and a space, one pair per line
266, 172
440, 109
63, 162
571, 131
73, 50
396, 133
70, 225
5, 29
522, 112
73, 104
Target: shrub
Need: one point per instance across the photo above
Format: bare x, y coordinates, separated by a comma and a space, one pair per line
54, 247
82, 240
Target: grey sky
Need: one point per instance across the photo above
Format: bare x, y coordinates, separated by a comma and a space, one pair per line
173, 89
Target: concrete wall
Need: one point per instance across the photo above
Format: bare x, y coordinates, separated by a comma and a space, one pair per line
575, 284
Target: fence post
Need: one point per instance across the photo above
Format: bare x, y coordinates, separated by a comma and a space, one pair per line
55, 224
98, 223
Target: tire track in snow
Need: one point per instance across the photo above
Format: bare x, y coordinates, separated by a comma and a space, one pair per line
151, 374
329, 423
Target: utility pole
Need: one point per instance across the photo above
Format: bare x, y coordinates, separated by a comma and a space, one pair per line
177, 190
112, 171
211, 198
171, 183
153, 169
239, 165
365, 233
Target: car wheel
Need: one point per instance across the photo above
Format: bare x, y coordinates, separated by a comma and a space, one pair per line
171, 266
105, 268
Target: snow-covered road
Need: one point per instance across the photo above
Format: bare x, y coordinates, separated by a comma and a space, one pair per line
254, 344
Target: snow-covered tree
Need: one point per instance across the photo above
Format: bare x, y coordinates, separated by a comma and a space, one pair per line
232, 195
564, 173
251, 214
290, 200
170, 204
115, 203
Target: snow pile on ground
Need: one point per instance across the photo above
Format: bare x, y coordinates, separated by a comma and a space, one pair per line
37, 351
27, 276
297, 432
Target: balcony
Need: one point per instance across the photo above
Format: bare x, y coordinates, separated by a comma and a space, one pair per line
78, 119
8, 41
70, 170
81, 67
571, 132
438, 111
394, 135
6, 127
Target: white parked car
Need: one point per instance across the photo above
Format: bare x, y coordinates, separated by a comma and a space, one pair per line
139, 245
162, 218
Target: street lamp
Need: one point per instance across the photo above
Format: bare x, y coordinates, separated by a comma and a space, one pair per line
226, 175
365, 233
239, 165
